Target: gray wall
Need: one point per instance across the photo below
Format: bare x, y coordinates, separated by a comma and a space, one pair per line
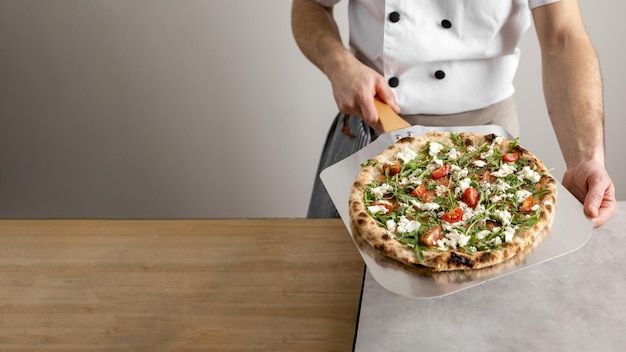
196, 108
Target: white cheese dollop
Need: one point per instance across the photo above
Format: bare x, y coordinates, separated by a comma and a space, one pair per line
453, 154
405, 225
407, 154
456, 239
437, 161
464, 240
509, 232
425, 206
375, 209
434, 148
501, 186
457, 172
505, 170
441, 190
479, 163
411, 180
487, 154
380, 191
522, 194
482, 234
469, 212
496, 241
527, 173
391, 225
504, 216
496, 198
465, 184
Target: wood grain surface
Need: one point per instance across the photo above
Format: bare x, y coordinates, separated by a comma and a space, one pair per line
178, 285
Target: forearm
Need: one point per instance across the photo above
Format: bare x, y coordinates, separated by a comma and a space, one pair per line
354, 84
572, 84
573, 92
318, 37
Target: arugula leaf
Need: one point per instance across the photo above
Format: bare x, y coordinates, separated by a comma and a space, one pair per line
456, 139
418, 252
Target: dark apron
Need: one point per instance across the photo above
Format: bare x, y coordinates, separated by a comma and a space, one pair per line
347, 135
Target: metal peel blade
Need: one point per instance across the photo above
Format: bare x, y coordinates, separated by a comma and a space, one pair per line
570, 229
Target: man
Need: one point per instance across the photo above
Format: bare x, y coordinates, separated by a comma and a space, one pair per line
452, 62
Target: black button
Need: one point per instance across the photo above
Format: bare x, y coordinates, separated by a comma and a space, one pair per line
446, 24
394, 82
440, 74
394, 17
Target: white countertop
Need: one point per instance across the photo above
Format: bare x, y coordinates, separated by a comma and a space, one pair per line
573, 303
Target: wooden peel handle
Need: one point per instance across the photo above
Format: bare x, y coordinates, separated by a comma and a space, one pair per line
389, 120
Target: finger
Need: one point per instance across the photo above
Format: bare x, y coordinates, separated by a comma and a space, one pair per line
607, 210
592, 204
385, 94
370, 115
597, 190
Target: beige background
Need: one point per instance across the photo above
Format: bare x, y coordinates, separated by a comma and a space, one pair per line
198, 108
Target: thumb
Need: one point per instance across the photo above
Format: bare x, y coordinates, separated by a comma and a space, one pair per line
594, 197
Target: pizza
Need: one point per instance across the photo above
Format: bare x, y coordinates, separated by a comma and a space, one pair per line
452, 201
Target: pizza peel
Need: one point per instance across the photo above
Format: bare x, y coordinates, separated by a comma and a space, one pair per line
569, 231
389, 120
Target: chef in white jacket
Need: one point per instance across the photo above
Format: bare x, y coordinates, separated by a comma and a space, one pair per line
452, 62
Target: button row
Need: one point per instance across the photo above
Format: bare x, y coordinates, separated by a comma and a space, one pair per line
394, 81
395, 17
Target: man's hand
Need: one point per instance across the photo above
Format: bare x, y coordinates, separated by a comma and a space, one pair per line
354, 88
354, 84
592, 185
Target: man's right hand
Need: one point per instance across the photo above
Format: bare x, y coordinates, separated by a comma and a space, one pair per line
354, 88
354, 84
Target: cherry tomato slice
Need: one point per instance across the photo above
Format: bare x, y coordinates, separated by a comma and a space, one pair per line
471, 197
487, 177
454, 215
527, 205
394, 169
431, 236
422, 193
510, 157
441, 172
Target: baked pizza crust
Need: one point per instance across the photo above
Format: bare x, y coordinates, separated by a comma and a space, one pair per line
449, 276
365, 227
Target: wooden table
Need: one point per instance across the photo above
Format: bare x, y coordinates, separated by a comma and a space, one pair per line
178, 285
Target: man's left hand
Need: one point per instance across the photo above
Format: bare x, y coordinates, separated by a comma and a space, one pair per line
591, 184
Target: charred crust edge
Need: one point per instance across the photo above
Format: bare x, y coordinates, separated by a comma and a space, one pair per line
461, 260
490, 137
486, 257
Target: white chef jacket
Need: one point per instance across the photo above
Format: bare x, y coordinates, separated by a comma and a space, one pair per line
441, 56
